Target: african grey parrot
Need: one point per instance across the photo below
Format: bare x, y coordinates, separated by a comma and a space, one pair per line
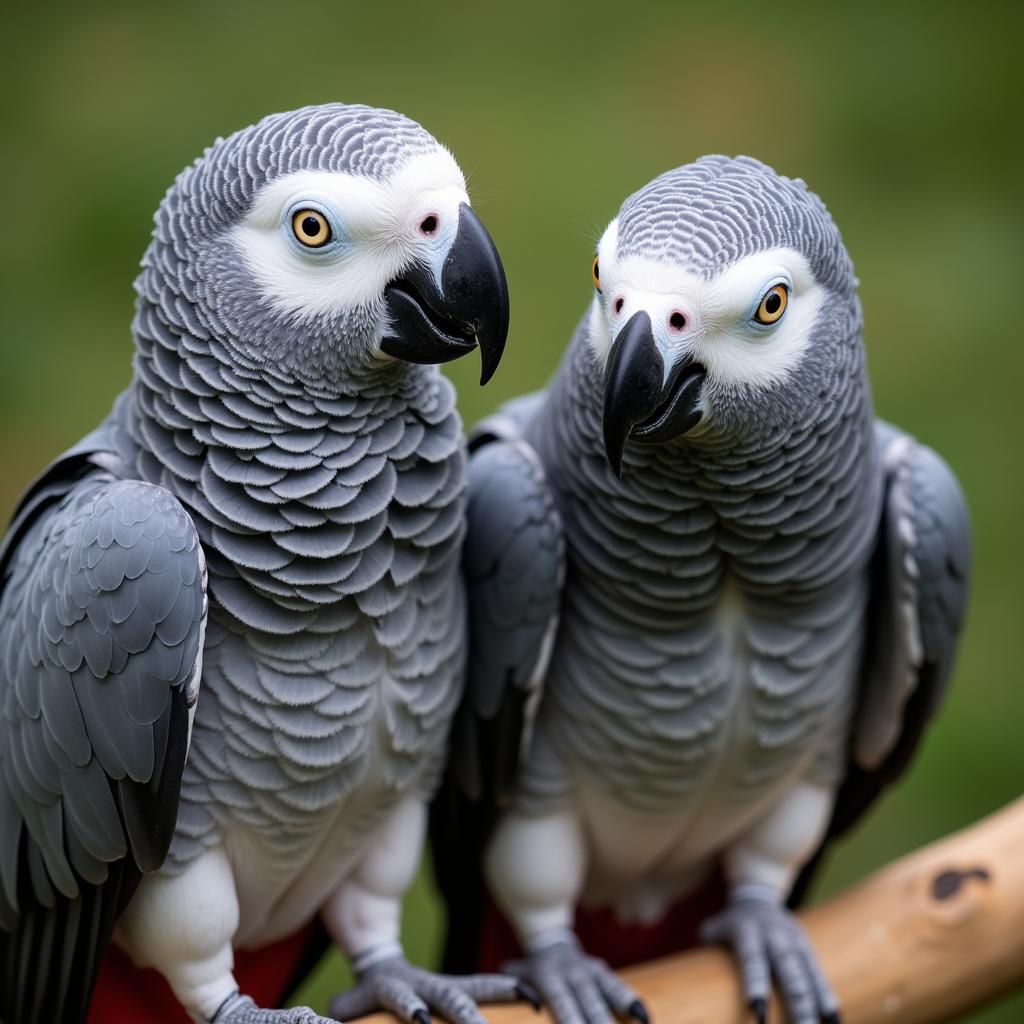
231, 618
713, 600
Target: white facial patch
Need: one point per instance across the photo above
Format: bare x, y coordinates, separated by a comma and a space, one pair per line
718, 332
375, 227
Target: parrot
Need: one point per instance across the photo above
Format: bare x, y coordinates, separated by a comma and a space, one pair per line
714, 602
232, 617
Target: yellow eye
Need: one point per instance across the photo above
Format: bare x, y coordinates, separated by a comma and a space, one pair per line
773, 305
595, 274
311, 228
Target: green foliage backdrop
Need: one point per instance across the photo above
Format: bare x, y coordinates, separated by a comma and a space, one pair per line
906, 119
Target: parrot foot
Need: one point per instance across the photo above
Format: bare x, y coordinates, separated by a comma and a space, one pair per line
239, 1009
768, 941
578, 989
412, 993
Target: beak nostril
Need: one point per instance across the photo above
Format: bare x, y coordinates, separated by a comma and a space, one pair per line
619, 303
677, 321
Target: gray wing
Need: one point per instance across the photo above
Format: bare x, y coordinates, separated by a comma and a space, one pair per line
514, 565
102, 607
919, 596
920, 577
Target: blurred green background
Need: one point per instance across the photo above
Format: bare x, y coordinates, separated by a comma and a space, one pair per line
906, 120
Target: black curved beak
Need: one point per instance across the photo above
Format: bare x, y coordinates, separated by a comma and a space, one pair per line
636, 402
435, 322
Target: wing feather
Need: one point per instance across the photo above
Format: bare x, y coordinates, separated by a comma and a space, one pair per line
920, 580
102, 603
514, 565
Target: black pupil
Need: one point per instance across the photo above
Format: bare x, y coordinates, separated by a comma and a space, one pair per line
429, 225
772, 303
677, 320
597, 272
311, 226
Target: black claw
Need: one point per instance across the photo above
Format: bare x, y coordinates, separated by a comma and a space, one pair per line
529, 994
421, 1017
760, 1009
831, 1018
638, 1012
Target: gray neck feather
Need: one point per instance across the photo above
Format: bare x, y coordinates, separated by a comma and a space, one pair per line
314, 502
657, 542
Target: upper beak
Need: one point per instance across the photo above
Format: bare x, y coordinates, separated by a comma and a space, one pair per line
638, 402
435, 321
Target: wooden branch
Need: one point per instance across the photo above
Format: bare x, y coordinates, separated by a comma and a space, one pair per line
926, 939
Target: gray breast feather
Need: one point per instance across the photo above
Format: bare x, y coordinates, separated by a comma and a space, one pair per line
919, 593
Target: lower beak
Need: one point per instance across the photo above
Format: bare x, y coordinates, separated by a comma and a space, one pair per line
638, 403
435, 321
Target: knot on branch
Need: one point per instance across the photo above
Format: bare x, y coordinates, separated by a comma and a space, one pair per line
946, 884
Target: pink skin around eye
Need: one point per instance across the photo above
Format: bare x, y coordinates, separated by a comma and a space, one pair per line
677, 321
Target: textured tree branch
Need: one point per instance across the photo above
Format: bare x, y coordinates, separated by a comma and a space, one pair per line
925, 939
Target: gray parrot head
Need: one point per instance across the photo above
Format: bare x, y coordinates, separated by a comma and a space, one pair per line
725, 308
326, 242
